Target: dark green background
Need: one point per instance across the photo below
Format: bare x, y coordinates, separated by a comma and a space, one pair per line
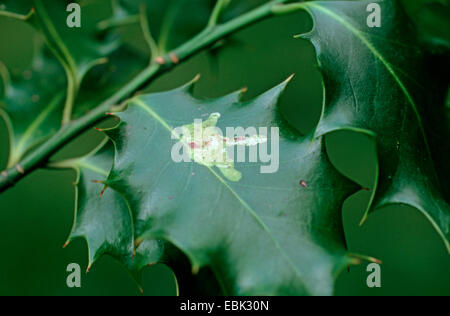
36, 216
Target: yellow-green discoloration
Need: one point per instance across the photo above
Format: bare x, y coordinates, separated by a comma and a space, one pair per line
208, 147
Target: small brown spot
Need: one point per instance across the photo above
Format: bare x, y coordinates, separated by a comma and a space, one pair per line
174, 58
160, 60
20, 169
35, 98
303, 183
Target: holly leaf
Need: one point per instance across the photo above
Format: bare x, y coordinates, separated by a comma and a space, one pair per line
32, 102
378, 82
261, 233
103, 219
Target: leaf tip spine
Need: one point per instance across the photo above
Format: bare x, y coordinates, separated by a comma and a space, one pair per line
196, 78
364, 219
195, 269
103, 191
289, 79
377, 261
189, 87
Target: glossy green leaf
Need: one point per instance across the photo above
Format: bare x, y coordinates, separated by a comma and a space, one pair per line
278, 233
32, 103
104, 219
378, 81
